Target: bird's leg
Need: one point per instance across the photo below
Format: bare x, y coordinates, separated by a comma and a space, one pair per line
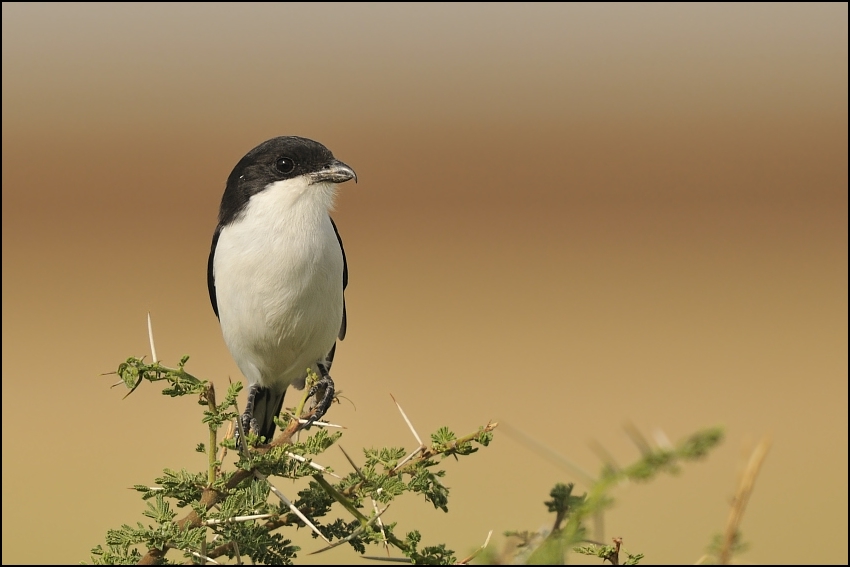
248, 421
325, 384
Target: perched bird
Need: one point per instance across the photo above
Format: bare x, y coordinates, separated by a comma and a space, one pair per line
277, 272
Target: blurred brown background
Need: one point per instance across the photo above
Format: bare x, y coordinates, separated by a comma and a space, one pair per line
569, 217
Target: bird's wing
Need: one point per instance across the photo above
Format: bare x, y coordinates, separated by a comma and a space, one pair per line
211, 274
344, 280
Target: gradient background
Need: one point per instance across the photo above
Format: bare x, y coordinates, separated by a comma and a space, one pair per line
569, 217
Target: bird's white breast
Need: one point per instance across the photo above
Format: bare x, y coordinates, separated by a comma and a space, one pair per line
278, 282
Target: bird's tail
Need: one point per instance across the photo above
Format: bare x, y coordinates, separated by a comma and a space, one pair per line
267, 405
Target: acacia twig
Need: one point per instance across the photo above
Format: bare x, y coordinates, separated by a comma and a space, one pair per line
742, 496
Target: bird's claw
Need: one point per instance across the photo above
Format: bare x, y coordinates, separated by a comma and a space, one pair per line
249, 423
324, 384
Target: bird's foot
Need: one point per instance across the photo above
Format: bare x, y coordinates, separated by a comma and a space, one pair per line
324, 391
247, 417
249, 423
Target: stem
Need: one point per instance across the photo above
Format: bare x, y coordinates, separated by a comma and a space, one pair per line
211, 450
341, 499
742, 496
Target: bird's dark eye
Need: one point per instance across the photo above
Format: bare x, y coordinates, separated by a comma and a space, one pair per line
284, 164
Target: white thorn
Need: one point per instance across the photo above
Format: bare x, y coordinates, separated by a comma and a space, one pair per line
205, 558
410, 456
410, 425
150, 336
195, 553
322, 424
380, 524
662, 440
291, 506
312, 465
236, 519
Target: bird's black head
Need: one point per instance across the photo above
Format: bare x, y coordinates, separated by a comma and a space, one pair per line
278, 159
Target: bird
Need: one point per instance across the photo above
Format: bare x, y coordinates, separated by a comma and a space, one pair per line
277, 274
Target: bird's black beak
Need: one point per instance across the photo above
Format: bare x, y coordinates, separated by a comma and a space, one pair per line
335, 172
